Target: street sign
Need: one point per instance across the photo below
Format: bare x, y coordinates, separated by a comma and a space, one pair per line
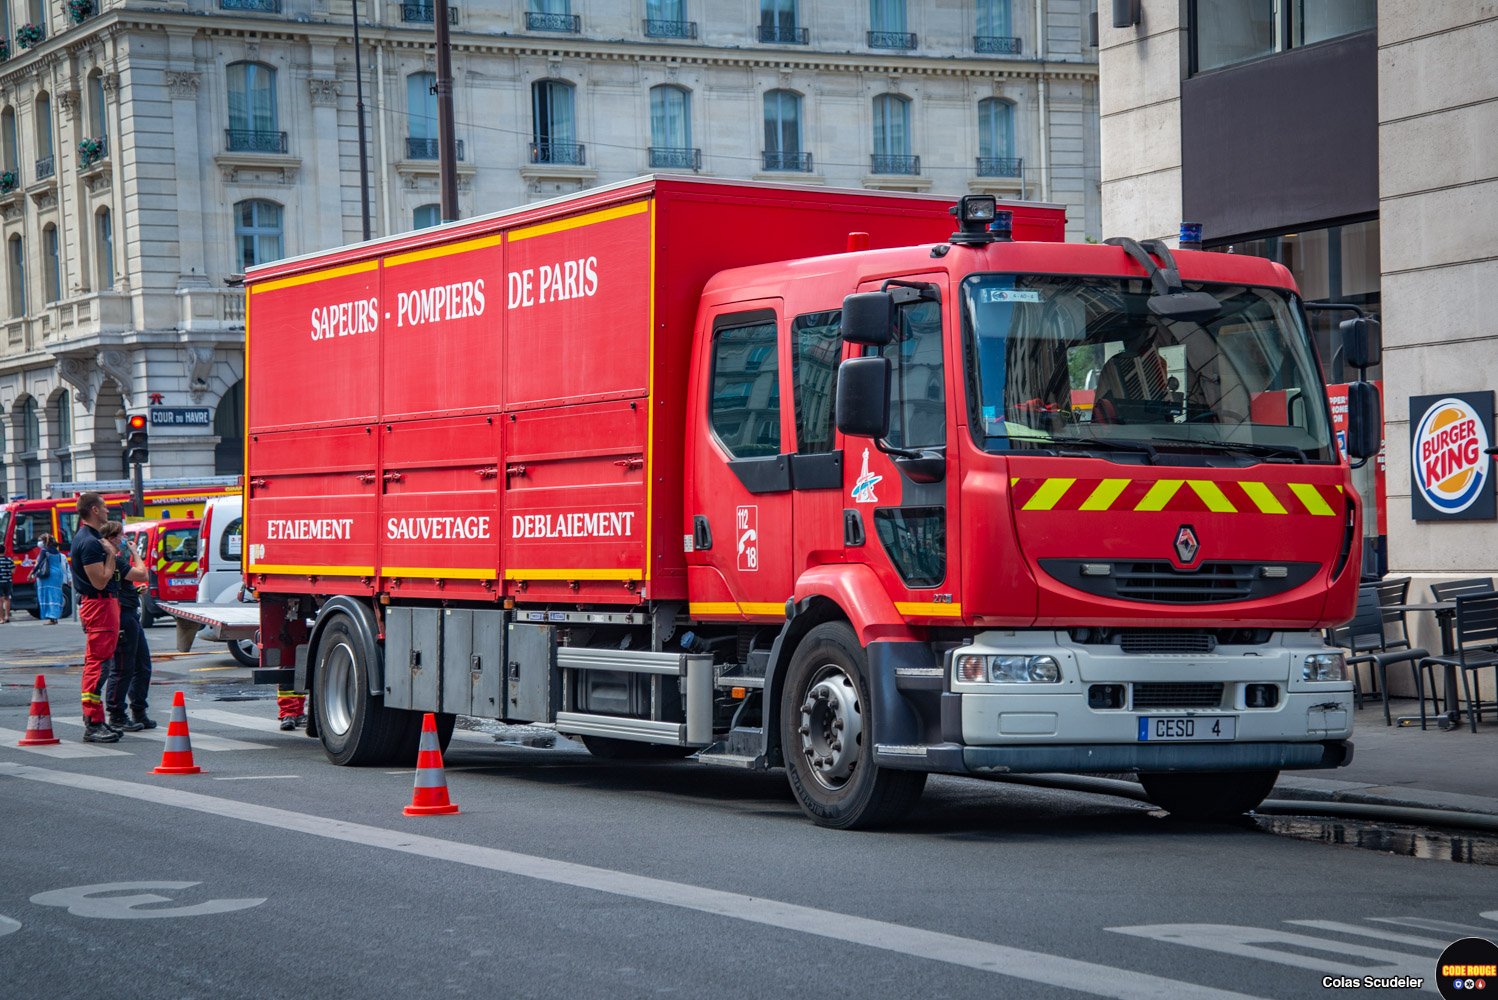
181, 416
1451, 476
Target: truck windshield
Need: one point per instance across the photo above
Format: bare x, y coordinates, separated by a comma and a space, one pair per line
1066, 363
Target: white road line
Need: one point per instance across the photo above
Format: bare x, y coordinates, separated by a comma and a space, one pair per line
1442, 926
1369, 932
200, 741
255, 777
1016, 963
63, 751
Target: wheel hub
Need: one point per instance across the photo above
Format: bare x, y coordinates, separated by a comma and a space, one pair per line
338, 689
831, 727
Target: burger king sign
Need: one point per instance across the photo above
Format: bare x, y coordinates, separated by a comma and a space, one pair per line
1451, 474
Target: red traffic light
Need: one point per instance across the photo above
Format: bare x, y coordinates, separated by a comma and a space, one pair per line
137, 422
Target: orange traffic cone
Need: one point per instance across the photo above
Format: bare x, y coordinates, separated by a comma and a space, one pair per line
39, 719
177, 757
430, 796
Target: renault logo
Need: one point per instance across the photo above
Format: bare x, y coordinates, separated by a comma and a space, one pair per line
1186, 544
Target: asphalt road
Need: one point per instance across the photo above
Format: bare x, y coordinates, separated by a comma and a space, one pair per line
274, 874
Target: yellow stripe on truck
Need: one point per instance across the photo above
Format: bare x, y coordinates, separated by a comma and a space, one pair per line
1262, 497
1312, 499
1049, 494
1212, 495
1160, 494
1107, 491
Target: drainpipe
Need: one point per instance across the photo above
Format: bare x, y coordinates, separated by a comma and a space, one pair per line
382, 139
1045, 117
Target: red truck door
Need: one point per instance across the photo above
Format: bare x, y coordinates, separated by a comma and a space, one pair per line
821, 531
739, 502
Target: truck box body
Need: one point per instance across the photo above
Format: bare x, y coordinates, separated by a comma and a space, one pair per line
497, 409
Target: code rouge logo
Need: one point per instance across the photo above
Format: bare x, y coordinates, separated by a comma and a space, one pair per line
1448, 457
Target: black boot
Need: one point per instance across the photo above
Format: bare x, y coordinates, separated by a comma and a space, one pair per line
98, 732
120, 724
138, 715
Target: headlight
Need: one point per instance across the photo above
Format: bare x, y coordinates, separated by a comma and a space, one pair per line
1324, 667
1008, 668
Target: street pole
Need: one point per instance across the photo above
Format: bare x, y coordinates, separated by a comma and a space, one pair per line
137, 489
359, 108
447, 152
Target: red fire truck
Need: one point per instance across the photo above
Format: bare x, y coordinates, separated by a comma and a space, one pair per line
792, 477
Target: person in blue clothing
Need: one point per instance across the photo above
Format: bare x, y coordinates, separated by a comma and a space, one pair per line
48, 573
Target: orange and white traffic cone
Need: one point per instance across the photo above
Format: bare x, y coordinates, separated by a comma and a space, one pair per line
38, 719
177, 757
430, 795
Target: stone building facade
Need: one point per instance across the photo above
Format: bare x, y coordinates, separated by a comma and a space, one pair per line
152, 150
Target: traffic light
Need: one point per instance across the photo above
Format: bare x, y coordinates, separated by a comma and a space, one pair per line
136, 447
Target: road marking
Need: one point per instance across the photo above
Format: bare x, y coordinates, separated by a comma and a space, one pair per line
1370, 932
1444, 926
61, 750
86, 901
273, 726
254, 777
8, 926
1016, 963
200, 741
1258, 942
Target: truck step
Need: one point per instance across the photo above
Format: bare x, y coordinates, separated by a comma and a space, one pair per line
738, 681
616, 727
731, 760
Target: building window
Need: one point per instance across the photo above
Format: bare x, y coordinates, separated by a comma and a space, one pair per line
104, 236
421, 116
9, 148
887, 25
98, 121
254, 125
228, 424
45, 165
17, 277
778, 22
51, 265
995, 29
1224, 32
257, 233
892, 136
783, 132
62, 416
554, 123
426, 216
31, 446
668, 19
996, 139
551, 15
671, 130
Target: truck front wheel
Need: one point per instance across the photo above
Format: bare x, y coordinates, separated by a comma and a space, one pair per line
355, 726
825, 732
1210, 796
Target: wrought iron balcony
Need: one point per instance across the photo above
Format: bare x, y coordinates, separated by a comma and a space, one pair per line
675, 158
254, 140
891, 39
894, 163
572, 154
655, 28
1000, 166
45, 167
258, 6
798, 162
1003, 45
784, 34
425, 13
537, 21
427, 149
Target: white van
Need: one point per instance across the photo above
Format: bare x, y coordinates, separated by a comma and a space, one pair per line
221, 566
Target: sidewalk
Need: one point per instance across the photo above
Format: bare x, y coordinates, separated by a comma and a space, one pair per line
1403, 766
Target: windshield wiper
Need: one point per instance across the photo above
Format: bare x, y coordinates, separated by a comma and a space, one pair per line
1253, 449
1109, 444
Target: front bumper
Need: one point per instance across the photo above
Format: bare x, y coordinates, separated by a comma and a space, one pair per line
1092, 757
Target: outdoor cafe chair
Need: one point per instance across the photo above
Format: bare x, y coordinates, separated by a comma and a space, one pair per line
1476, 648
1364, 638
1393, 592
1452, 589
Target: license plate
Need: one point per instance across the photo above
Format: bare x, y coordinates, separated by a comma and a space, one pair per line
182, 581
1184, 728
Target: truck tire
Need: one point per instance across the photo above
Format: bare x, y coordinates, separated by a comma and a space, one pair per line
245, 652
446, 723
829, 748
1208, 796
605, 748
355, 726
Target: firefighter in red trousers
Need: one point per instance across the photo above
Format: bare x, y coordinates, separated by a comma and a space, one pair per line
292, 708
93, 565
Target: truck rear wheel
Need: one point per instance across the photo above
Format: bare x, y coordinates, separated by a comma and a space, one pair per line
246, 652
1210, 796
825, 733
355, 726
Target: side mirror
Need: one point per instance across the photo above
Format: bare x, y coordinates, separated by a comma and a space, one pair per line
1363, 432
869, 318
863, 397
1362, 342
1197, 307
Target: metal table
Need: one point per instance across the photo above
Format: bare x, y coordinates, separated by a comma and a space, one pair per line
1445, 612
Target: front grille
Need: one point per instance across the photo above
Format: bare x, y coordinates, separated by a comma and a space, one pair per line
1166, 641
1177, 696
1163, 583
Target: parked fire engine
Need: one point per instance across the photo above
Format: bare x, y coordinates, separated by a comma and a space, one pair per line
793, 477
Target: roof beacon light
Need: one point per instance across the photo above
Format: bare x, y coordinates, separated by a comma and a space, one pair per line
979, 221
1191, 236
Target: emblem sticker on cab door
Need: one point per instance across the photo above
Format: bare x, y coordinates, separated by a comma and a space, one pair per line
746, 526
